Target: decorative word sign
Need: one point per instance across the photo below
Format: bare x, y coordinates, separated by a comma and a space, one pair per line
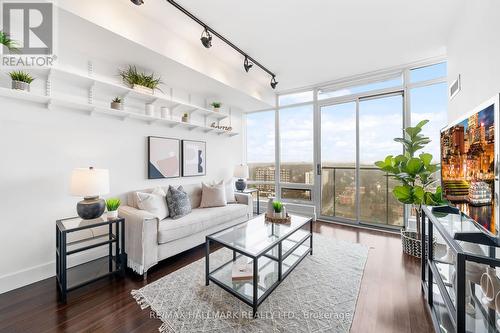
225, 128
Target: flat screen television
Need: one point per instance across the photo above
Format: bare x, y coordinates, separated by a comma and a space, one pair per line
469, 155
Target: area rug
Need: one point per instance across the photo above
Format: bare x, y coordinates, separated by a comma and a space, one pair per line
319, 295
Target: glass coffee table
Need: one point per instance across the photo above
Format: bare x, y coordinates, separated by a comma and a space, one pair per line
270, 250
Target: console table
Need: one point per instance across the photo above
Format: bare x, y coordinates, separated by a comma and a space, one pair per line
457, 252
73, 236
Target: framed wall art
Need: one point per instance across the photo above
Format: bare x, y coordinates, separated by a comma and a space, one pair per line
194, 158
164, 156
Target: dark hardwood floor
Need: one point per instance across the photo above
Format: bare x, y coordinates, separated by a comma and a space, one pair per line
390, 299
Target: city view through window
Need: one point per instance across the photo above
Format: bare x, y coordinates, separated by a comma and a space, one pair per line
380, 121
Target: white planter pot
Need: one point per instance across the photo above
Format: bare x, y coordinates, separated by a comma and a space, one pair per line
142, 89
165, 112
112, 215
150, 110
117, 106
185, 119
216, 109
19, 85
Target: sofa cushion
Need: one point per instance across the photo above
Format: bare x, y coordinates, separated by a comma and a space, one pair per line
154, 202
178, 202
198, 220
213, 195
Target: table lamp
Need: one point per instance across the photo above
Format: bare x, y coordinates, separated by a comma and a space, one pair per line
241, 172
89, 183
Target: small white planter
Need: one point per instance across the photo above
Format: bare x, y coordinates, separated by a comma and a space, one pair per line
216, 109
19, 85
117, 106
185, 119
112, 215
150, 109
165, 112
143, 89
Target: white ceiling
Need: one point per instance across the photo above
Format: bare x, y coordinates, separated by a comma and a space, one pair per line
313, 41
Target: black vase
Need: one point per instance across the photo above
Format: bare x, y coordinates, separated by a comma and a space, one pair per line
90, 208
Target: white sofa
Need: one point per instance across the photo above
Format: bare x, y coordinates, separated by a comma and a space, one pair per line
148, 240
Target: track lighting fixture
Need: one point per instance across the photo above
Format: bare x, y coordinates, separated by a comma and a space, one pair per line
137, 2
274, 83
206, 38
247, 64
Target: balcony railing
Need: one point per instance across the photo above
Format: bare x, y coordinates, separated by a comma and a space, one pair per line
339, 195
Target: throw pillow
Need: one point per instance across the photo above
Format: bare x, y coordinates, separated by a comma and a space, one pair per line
229, 187
178, 202
153, 202
213, 195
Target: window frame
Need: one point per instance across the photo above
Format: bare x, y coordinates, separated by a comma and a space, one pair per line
367, 78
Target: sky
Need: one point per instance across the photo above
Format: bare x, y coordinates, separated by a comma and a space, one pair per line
380, 122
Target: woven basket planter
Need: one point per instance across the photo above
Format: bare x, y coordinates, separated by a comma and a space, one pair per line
413, 246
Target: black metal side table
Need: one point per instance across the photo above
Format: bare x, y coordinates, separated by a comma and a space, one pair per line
250, 191
74, 235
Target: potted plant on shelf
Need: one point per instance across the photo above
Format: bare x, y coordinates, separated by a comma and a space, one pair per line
21, 80
140, 81
117, 103
185, 118
5, 40
112, 205
417, 183
216, 106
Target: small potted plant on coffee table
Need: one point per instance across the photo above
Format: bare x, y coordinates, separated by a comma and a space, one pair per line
112, 205
117, 103
216, 106
21, 80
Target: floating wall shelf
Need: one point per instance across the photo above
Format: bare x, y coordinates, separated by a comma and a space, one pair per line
94, 82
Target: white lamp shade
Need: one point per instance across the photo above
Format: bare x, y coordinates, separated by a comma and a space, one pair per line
241, 171
89, 182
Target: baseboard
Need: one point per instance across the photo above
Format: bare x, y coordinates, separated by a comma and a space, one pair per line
26, 276
44, 271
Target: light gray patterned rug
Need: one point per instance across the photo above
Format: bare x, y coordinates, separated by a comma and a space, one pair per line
319, 295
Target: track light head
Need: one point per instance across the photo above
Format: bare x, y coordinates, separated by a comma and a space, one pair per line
206, 38
137, 2
274, 83
247, 65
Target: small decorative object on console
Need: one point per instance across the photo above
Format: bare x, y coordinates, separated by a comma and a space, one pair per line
112, 205
89, 183
185, 118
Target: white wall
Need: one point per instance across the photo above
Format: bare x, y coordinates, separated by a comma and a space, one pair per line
474, 53
39, 150
40, 147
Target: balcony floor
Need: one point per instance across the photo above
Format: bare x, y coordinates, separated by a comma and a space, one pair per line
390, 299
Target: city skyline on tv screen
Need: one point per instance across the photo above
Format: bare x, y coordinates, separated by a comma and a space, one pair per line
467, 165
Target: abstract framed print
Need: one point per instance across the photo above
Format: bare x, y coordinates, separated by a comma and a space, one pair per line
194, 158
164, 156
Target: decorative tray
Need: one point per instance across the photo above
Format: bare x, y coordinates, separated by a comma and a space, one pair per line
275, 219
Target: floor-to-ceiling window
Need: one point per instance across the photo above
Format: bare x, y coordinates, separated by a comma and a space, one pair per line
330, 136
260, 141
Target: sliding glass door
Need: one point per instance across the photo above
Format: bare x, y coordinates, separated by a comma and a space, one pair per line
354, 135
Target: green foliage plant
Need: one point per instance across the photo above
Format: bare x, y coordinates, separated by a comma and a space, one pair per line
21, 76
112, 204
131, 76
278, 206
415, 173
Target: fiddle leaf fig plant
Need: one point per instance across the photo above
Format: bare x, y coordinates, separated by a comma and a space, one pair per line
415, 173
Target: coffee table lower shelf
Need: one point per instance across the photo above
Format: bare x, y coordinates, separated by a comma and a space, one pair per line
271, 270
